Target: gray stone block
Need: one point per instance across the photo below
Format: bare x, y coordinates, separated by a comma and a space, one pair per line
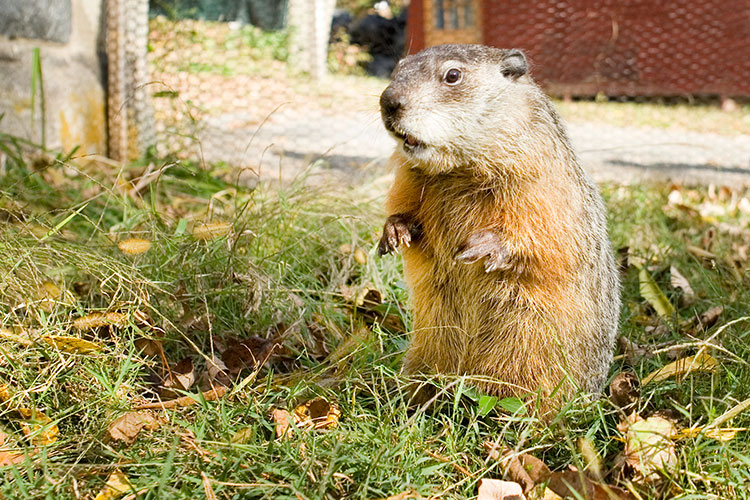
49, 20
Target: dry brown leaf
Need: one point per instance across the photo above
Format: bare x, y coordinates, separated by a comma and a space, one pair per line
73, 345
38, 427
181, 377
211, 230
551, 495
126, 427
149, 347
573, 484
117, 485
624, 390
404, 495
134, 246
495, 489
210, 395
99, 319
710, 317
701, 362
282, 419
16, 334
524, 469
252, 353
317, 414
9, 456
208, 490
368, 296
649, 446
680, 282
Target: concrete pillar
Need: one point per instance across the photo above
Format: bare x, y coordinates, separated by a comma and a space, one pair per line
310, 25
68, 33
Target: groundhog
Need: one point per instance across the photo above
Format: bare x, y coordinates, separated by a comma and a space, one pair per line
503, 234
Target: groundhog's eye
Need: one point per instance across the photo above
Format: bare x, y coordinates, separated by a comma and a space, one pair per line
452, 76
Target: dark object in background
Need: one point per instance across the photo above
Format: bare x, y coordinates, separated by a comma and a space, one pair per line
265, 14
384, 38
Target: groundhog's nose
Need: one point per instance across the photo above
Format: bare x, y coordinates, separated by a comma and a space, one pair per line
390, 103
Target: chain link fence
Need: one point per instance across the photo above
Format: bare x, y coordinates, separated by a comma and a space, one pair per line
226, 90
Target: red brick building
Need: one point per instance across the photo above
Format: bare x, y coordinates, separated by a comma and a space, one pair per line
618, 47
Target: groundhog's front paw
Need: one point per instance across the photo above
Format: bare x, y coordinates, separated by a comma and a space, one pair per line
399, 229
486, 245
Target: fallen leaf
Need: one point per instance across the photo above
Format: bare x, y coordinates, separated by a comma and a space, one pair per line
524, 469
134, 246
574, 484
404, 495
99, 319
243, 436
649, 446
710, 317
210, 395
717, 433
701, 362
149, 347
9, 456
495, 489
208, 490
680, 282
653, 294
593, 462
368, 296
360, 256
282, 419
180, 378
317, 414
38, 427
73, 345
209, 231
252, 353
624, 390
126, 427
117, 485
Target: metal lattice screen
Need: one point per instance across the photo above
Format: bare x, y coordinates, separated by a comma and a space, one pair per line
229, 92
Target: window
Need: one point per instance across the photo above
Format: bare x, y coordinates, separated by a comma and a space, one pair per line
454, 14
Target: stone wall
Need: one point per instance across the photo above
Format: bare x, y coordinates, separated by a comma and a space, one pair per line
69, 34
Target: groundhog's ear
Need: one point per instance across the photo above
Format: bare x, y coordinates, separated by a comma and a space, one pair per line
514, 64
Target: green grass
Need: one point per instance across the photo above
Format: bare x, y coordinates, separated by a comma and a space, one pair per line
281, 269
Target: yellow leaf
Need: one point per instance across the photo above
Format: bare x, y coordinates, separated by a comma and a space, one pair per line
209, 231
701, 362
134, 246
242, 436
17, 335
38, 426
317, 414
653, 294
5, 394
72, 345
719, 434
99, 319
117, 485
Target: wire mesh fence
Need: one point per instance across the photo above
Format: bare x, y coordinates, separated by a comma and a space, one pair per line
229, 91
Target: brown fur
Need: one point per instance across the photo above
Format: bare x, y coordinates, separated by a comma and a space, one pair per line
547, 316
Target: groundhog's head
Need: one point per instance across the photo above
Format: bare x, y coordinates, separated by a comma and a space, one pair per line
451, 105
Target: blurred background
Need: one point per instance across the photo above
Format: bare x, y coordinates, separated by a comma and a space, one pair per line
275, 88
648, 89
